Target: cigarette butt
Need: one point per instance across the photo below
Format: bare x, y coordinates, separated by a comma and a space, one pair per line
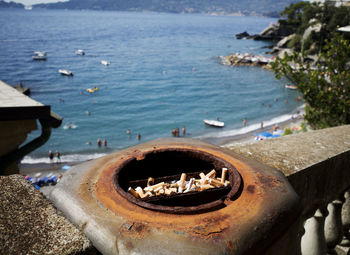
190, 183
204, 179
173, 190
148, 194
133, 192
161, 191
153, 187
158, 189
168, 191
223, 175
140, 192
216, 183
150, 181
206, 186
211, 174
173, 185
182, 180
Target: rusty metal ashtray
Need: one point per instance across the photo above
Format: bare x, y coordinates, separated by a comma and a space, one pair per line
168, 164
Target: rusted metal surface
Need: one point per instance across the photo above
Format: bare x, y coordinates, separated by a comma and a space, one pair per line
189, 159
262, 204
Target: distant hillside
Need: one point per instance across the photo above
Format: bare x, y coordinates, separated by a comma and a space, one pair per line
4, 4
251, 7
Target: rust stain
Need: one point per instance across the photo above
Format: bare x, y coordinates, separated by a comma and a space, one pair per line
135, 230
230, 247
269, 181
251, 188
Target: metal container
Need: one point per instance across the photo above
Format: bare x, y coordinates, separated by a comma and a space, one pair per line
244, 217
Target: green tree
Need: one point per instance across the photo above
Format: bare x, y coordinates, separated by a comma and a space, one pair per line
326, 88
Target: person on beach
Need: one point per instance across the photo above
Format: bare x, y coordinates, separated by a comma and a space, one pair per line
105, 143
58, 157
51, 156
184, 131
99, 142
244, 122
262, 125
138, 136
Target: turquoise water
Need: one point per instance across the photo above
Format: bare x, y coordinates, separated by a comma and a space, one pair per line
164, 73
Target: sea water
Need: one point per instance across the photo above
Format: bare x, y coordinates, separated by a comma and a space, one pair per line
165, 72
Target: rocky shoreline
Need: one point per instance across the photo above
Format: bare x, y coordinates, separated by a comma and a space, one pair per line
273, 33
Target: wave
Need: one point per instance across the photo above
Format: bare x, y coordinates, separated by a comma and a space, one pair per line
255, 126
64, 158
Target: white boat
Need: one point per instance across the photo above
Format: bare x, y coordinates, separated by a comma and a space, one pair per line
65, 72
105, 62
39, 55
288, 86
80, 52
214, 123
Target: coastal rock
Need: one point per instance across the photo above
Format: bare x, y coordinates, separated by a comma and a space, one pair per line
316, 28
273, 32
284, 42
242, 35
281, 53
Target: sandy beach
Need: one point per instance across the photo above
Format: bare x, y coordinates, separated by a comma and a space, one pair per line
43, 169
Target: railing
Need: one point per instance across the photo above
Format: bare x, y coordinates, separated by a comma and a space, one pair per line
317, 164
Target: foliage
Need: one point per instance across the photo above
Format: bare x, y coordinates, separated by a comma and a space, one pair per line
303, 127
298, 17
287, 131
326, 89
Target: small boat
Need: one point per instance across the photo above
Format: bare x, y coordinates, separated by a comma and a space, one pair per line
288, 86
65, 72
105, 62
39, 55
214, 123
80, 52
90, 90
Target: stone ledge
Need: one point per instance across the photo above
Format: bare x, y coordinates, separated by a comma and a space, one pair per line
316, 163
29, 224
293, 153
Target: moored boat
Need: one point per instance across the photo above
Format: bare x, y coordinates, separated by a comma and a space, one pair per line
65, 72
105, 62
39, 55
214, 123
80, 52
289, 86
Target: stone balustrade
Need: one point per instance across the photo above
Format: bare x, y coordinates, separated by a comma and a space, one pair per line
317, 164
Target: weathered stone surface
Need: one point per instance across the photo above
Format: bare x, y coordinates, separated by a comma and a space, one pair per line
296, 152
29, 224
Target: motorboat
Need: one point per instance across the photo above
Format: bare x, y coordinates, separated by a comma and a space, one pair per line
80, 52
289, 86
39, 55
214, 123
65, 72
105, 62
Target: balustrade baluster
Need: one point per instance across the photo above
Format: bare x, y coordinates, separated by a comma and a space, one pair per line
333, 225
313, 241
